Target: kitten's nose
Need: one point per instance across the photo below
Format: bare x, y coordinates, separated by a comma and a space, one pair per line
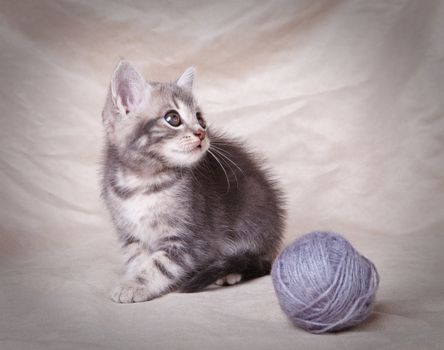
200, 134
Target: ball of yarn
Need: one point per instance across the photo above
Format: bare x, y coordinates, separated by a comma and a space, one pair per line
323, 284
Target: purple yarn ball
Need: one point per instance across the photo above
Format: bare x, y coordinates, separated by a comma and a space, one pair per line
323, 284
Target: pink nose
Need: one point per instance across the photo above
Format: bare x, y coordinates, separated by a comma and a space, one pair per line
200, 134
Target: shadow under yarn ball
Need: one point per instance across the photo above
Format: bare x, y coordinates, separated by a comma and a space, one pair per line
323, 284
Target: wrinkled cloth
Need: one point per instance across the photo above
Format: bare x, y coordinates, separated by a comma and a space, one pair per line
343, 98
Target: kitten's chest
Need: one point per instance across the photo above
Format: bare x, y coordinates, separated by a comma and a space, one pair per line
149, 217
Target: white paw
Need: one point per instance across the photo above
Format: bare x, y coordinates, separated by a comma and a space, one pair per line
130, 292
230, 279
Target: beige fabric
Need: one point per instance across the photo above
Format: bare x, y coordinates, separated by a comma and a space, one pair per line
345, 98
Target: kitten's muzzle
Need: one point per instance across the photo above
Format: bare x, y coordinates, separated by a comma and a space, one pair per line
200, 134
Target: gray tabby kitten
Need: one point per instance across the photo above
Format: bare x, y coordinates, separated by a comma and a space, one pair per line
191, 207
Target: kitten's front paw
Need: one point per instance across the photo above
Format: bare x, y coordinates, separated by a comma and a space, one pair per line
230, 279
130, 292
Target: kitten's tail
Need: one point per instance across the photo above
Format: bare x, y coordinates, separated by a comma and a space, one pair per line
248, 266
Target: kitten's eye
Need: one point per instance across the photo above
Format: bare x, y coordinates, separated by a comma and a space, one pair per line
201, 120
173, 118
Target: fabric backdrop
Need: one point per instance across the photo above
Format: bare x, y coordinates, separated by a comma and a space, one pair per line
344, 98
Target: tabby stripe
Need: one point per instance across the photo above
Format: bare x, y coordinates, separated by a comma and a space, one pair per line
186, 98
176, 256
173, 239
163, 269
129, 241
132, 258
175, 103
154, 140
153, 155
122, 192
141, 280
160, 187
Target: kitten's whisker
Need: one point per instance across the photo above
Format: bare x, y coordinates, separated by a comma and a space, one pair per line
220, 149
222, 159
228, 158
220, 143
193, 176
225, 162
226, 175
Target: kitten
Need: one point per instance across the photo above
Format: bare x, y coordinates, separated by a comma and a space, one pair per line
191, 207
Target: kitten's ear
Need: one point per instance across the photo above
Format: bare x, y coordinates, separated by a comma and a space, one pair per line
187, 78
128, 88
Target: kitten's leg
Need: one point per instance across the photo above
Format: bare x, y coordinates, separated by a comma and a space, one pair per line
147, 275
230, 279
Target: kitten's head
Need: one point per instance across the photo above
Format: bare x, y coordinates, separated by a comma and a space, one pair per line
161, 121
